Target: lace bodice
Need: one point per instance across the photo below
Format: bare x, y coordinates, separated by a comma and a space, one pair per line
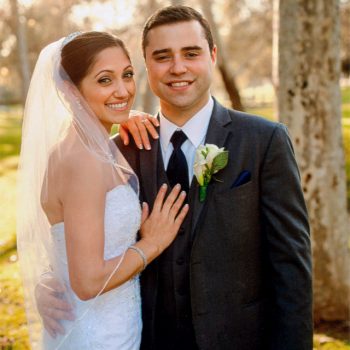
113, 320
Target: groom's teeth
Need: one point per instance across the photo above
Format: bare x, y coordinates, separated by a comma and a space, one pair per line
183, 83
117, 105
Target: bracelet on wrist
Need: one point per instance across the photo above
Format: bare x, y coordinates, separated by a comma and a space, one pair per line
141, 254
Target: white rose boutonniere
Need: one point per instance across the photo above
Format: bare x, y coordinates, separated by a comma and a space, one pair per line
209, 159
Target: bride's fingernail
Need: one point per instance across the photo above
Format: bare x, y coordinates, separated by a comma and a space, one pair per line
164, 186
140, 146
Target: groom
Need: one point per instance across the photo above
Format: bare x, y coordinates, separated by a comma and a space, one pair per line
238, 275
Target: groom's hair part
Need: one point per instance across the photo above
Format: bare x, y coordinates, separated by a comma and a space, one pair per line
176, 14
79, 54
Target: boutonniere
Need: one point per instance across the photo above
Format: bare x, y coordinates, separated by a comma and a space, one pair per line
209, 159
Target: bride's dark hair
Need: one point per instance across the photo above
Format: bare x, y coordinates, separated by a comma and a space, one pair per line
79, 54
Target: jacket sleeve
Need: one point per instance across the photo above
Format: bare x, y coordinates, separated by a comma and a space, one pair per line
287, 237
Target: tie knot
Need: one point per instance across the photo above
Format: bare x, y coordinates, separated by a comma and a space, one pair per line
178, 138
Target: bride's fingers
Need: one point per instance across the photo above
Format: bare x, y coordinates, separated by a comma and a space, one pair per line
52, 285
53, 327
150, 123
177, 205
158, 203
143, 134
135, 132
181, 216
60, 304
170, 200
57, 314
124, 135
145, 212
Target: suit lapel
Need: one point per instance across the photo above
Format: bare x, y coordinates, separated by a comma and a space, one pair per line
217, 134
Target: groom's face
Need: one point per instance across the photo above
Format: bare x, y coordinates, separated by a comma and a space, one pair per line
180, 66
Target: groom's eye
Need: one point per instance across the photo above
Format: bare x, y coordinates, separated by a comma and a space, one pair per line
192, 54
162, 58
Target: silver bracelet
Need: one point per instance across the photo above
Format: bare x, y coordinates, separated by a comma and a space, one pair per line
141, 253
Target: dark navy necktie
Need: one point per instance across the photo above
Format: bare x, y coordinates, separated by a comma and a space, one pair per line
177, 170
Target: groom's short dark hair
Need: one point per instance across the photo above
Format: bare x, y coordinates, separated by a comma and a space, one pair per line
175, 14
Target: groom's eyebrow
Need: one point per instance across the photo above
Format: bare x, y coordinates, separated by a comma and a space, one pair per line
192, 48
186, 48
157, 52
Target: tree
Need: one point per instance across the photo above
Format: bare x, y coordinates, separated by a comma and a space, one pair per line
227, 76
22, 47
309, 103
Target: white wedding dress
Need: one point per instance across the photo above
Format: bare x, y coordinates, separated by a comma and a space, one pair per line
113, 320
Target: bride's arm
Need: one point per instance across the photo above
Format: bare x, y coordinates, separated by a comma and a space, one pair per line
84, 204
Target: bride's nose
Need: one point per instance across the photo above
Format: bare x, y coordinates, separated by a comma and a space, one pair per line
120, 90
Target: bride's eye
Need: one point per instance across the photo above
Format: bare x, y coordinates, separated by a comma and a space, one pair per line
128, 74
104, 80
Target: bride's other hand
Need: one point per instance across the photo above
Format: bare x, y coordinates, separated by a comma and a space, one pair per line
52, 308
160, 228
139, 125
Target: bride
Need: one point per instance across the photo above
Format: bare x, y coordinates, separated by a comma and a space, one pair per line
79, 212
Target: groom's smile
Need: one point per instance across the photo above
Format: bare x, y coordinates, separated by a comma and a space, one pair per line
180, 67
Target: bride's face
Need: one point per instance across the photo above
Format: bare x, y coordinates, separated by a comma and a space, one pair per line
109, 87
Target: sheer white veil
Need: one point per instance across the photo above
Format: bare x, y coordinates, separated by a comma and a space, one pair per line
53, 107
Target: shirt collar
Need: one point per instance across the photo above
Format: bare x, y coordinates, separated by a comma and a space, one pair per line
195, 128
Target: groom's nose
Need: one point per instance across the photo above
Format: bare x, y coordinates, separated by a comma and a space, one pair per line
178, 66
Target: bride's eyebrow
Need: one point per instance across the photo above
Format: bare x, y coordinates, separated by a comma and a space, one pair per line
104, 71
111, 71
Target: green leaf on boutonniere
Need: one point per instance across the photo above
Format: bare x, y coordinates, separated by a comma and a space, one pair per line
219, 162
202, 193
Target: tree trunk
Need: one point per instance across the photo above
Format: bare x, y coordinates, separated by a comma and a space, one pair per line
309, 102
20, 27
150, 102
222, 61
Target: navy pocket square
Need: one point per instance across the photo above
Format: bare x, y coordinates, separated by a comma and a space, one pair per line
242, 178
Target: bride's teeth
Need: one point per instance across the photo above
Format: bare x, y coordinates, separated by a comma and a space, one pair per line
117, 105
184, 83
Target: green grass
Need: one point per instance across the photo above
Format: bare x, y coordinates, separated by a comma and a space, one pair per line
10, 132
13, 328
13, 331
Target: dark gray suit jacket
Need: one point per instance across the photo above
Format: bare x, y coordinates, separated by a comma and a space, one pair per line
250, 267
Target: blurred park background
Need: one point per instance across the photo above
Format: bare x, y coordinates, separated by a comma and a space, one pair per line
285, 60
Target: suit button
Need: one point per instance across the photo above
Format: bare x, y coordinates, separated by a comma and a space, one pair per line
180, 261
181, 231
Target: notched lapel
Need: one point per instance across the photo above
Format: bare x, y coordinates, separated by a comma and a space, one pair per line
217, 134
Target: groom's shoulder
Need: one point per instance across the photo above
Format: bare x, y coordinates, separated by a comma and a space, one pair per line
130, 152
130, 148
251, 123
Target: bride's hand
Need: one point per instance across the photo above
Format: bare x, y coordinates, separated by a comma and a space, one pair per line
52, 308
139, 125
159, 228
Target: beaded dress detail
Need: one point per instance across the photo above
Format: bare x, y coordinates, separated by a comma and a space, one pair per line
112, 320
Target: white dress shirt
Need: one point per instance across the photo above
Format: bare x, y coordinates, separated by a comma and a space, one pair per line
195, 129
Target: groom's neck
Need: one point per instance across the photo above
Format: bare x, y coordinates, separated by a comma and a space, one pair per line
180, 115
